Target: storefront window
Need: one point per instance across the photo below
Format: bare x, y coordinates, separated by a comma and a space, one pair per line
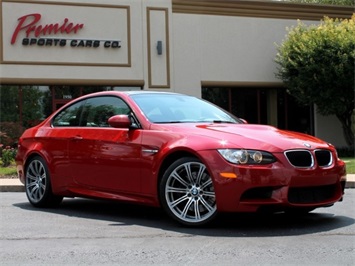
250, 104
66, 92
26, 105
21, 107
293, 116
272, 106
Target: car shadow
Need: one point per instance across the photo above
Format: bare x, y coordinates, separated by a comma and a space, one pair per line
225, 225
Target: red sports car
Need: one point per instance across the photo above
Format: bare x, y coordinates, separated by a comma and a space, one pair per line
175, 151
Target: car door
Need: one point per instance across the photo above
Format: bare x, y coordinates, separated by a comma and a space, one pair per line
56, 140
101, 157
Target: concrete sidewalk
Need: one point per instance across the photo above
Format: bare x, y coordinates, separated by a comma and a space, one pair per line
14, 184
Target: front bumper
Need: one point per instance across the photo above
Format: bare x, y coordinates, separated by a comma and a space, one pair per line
278, 185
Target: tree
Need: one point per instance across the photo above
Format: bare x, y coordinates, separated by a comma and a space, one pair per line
10, 97
325, 2
32, 112
9, 103
316, 63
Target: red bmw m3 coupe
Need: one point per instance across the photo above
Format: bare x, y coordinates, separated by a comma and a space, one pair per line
175, 151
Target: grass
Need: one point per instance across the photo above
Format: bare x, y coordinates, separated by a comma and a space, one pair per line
8, 171
350, 165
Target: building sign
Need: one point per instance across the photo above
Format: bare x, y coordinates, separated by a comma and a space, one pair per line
42, 34
61, 34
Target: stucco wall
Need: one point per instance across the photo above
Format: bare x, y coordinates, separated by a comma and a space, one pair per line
225, 49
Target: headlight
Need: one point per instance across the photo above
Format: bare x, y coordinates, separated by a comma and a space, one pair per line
240, 156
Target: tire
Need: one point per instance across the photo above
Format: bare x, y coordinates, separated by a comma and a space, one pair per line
38, 184
187, 194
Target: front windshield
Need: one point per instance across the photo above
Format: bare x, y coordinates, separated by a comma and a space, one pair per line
176, 108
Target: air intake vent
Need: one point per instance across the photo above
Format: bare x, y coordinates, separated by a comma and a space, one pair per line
300, 158
324, 158
311, 194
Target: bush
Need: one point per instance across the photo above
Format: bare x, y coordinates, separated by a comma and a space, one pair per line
346, 152
10, 132
8, 155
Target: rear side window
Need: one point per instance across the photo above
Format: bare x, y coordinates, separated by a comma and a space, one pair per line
93, 112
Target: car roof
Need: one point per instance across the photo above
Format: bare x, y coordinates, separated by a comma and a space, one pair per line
149, 92
129, 93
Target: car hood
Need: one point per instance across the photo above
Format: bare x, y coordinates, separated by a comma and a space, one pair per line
249, 136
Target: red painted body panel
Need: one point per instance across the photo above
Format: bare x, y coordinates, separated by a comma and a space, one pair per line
126, 164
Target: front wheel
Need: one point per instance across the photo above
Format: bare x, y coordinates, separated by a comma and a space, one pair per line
187, 192
38, 184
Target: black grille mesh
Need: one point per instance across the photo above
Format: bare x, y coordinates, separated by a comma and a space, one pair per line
305, 159
324, 157
301, 158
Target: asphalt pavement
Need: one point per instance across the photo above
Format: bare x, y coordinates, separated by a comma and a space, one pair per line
93, 232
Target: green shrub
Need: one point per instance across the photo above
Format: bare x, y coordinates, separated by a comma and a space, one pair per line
10, 132
8, 155
346, 152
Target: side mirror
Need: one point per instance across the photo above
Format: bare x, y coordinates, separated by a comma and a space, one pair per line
243, 120
119, 121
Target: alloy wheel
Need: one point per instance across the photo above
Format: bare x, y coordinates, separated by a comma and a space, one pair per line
36, 180
189, 193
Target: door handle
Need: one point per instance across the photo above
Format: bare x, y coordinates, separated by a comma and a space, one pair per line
77, 137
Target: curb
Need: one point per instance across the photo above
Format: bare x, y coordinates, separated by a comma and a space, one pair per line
11, 185
350, 184
12, 188
14, 184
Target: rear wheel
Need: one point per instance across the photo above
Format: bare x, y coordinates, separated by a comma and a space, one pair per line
187, 192
38, 184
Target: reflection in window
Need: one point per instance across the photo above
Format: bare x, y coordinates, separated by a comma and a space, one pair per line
69, 117
171, 108
98, 110
93, 112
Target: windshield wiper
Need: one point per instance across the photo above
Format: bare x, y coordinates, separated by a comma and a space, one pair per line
216, 121
191, 121
170, 122
223, 121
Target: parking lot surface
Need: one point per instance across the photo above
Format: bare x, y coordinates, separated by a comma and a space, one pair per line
92, 232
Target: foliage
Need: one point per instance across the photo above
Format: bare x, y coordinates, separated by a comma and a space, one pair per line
346, 152
316, 63
325, 2
10, 132
9, 103
10, 97
32, 108
8, 155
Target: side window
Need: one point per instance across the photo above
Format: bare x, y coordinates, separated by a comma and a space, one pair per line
69, 117
97, 111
